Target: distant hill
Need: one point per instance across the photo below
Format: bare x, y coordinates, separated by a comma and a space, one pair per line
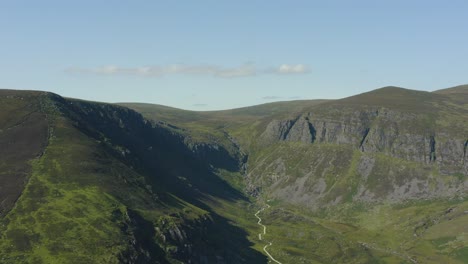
461, 89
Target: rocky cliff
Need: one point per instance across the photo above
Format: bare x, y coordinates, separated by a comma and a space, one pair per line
408, 145
377, 130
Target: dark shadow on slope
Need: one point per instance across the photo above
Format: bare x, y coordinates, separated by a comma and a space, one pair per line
171, 167
23, 137
143, 249
155, 151
231, 244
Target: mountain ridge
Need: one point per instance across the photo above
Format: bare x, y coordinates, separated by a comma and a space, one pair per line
154, 184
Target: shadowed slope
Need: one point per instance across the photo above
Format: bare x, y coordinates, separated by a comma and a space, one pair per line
23, 136
111, 188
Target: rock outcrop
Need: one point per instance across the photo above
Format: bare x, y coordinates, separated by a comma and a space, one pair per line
376, 131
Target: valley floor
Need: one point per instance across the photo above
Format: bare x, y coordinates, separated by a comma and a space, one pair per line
381, 234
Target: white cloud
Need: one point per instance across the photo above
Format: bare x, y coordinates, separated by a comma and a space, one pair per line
244, 70
292, 69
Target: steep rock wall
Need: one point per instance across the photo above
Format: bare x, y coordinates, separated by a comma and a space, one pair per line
377, 130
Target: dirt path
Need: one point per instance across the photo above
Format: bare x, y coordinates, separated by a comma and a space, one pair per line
264, 233
260, 221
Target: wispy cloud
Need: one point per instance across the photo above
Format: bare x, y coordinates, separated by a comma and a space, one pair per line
292, 69
271, 97
244, 70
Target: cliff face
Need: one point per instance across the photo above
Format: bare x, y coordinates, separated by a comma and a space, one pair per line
367, 148
377, 131
166, 241
130, 130
174, 165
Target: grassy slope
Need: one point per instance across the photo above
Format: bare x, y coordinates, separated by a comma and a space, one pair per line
428, 232
363, 232
84, 204
367, 233
212, 126
445, 108
67, 212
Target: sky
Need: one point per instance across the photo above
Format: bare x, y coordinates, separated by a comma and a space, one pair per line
206, 55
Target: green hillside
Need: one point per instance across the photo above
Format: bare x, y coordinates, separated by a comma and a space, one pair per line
393, 151
380, 177
110, 188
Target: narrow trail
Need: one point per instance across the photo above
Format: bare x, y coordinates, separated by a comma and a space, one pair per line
260, 221
264, 233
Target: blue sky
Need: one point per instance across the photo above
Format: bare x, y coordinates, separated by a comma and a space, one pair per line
204, 55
